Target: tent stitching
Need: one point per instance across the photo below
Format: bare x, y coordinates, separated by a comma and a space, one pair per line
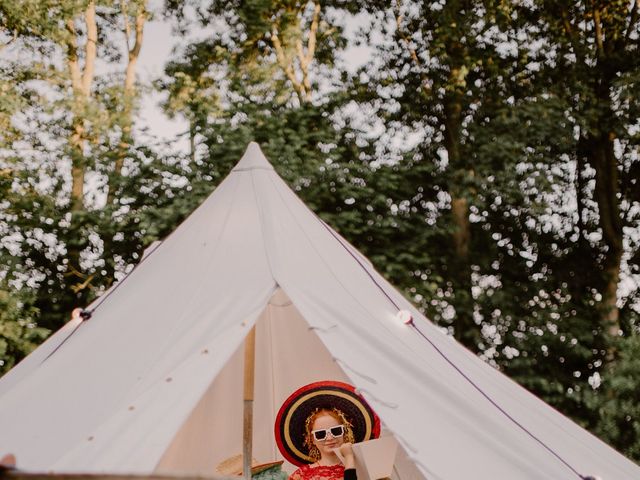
366, 393
366, 377
62, 342
430, 475
87, 314
117, 285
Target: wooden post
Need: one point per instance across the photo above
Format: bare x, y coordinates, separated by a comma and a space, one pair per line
249, 370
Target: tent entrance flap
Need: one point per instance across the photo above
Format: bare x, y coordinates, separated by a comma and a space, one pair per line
288, 354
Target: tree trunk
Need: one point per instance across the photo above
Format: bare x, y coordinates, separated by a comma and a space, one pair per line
77, 167
466, 330
302, 86
602, 158
81, 80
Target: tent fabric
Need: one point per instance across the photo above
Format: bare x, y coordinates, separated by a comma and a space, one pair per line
156, 370
287, 355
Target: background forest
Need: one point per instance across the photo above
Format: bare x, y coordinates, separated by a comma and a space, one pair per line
485, 157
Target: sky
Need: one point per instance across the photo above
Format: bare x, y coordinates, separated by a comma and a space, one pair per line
157, 46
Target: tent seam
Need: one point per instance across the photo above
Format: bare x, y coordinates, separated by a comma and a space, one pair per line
262, 229
339, 240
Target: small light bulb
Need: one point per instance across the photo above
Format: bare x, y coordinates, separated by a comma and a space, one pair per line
405, 317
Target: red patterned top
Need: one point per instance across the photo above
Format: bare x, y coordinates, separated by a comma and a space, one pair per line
318, 472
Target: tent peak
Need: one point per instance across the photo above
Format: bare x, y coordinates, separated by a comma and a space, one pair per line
253, 159
279, 298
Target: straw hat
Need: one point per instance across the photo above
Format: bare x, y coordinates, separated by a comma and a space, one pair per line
290, 423
233, 466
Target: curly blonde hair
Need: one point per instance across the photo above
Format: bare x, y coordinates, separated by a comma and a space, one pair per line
314, 453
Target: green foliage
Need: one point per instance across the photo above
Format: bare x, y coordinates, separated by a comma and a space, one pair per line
66, 249
19, 334
617, 400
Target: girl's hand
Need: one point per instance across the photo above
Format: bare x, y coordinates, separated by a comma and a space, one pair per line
346, 451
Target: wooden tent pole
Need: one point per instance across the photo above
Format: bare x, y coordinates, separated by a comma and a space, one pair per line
249, 371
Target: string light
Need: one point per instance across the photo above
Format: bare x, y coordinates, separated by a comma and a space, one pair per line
405, 317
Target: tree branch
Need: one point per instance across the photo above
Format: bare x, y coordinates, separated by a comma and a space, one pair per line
129, 92
81, 286
412, 52
127, 26
140, 21
134, 52
313, 32
286, 66
301, 56
304, 68
72, 57
633, 19
306, 59
572, 37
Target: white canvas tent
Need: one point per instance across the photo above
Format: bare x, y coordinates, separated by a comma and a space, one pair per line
153, 381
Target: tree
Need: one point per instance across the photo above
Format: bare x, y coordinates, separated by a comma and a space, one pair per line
586, 63
439, 69
69, 139
500, 101
593, 47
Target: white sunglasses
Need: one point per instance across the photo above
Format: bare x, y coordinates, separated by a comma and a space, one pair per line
321, 434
